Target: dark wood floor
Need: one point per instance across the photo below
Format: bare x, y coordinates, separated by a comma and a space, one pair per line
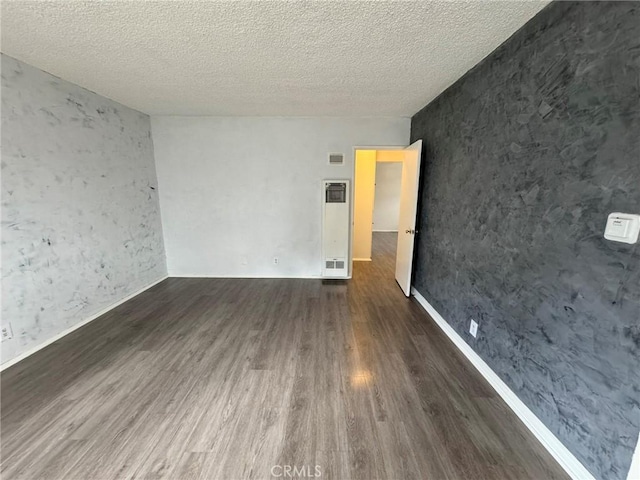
208, 378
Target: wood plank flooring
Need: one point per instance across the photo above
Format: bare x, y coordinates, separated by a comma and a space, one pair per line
226, 379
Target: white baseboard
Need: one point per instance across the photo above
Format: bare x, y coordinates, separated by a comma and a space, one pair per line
301, 277
563, 456
361, 259
634, 470
57, 337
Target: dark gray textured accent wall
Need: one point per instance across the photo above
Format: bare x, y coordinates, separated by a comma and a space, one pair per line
525, 157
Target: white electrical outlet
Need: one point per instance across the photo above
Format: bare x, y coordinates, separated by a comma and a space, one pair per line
275, 260
473, 328
7, 332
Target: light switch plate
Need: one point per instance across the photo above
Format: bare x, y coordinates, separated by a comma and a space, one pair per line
622, 227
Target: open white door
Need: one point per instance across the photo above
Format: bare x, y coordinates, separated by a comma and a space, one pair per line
408, 210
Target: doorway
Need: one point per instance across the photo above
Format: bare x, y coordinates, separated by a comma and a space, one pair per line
384, 208
378, 174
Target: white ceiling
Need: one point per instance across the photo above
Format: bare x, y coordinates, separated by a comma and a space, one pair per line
189, 57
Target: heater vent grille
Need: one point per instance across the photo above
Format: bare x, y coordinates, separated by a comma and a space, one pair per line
336, 159
335, 228
334, 264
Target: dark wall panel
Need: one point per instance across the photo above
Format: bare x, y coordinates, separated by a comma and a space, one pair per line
525, 156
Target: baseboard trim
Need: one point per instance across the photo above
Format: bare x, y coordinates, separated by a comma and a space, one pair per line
634, 469
57, 337
554, 446
301, 277
361, 259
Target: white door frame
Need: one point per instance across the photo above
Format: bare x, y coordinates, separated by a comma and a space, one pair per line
353, 189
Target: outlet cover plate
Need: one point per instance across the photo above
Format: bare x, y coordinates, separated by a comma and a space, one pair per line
7, 332
473, 328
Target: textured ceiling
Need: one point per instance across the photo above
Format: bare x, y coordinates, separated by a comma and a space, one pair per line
189, 57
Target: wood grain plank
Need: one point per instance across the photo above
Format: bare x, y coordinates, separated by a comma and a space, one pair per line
228, 378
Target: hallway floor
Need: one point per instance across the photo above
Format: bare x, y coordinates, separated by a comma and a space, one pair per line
230, 378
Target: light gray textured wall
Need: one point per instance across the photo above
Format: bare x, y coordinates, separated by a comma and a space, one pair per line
80, 216
525, 157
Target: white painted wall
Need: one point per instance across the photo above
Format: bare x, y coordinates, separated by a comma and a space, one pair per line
80, 218
386, 207
236, 192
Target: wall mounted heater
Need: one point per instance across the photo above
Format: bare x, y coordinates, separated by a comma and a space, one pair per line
335, 228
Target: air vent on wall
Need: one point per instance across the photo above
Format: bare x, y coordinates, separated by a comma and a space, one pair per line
330, 264
336, 159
